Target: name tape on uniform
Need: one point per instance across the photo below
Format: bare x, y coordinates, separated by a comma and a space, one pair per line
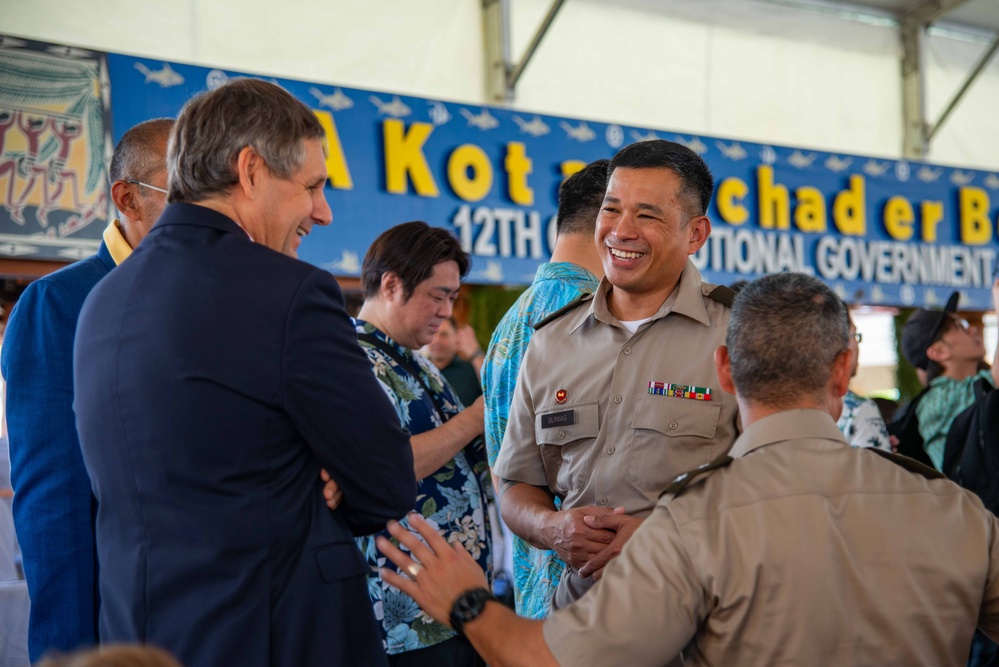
553, 419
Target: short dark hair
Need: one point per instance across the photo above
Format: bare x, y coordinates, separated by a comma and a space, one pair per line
580, 197
214, 127
696, 182
138, 154
411, 251
784, 333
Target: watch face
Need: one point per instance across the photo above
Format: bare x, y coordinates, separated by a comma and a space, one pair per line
468, 606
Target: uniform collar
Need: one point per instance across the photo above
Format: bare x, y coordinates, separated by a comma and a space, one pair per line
685, 300
116, 243
785, 426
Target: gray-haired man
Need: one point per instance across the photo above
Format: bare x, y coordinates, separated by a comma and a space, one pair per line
53, 504
215, 374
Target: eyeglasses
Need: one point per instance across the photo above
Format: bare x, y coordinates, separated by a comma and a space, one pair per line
859, 337
146, 185
954, 324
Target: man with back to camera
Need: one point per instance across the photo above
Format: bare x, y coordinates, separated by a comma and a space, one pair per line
574, 270
618, 394
794, 550
215, 373
53, 504
412, 275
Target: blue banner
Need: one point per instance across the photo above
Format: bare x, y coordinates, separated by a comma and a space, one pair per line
881, 232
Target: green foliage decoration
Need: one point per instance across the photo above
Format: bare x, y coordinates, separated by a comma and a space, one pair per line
489, 304
905, 374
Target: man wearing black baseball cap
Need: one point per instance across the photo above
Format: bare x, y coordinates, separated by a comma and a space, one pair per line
952, 353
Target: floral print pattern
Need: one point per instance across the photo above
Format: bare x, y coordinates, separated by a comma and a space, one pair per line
862, 424
453, 499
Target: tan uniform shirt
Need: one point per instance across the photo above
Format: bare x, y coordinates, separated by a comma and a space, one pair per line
801, 552
582, 406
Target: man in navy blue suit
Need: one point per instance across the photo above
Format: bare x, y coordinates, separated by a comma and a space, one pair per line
53, 506
215, 375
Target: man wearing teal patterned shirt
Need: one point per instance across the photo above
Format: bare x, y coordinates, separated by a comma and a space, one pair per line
951, 352
574, 270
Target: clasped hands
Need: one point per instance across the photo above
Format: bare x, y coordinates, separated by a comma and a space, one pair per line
587, 538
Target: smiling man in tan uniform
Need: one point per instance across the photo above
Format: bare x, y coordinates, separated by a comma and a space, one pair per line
795, 550
618, 395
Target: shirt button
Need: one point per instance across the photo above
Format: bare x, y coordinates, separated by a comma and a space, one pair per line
627, 350
610, 450
603, 501
617, 399
561, 434
673, 425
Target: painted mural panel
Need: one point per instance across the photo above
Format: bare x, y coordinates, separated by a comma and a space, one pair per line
54, 136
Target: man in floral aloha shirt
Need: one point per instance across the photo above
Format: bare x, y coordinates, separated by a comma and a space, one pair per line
861, 420
411, 276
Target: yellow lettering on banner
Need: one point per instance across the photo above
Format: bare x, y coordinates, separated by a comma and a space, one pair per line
570, 167
898, 217
932, 213
976, 228
775, 203
404, 157
518, 166
731, 192
850, 208
336, 163
810, 213
470, 157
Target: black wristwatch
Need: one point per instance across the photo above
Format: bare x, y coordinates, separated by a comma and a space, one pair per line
468, 606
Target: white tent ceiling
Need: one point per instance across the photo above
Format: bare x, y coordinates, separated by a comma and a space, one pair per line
979, 17
974, 14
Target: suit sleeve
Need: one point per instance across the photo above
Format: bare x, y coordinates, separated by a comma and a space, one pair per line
342, 412
53, 506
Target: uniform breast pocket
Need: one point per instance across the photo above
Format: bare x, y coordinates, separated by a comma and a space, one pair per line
566, 435
671, 436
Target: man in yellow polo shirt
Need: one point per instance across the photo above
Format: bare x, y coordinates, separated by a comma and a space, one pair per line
53, 505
